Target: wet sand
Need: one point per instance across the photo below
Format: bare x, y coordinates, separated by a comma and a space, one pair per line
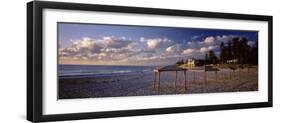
142, 84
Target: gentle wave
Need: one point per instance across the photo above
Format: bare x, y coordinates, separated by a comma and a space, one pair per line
94, 70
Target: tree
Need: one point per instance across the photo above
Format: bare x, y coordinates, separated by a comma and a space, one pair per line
235, 48
223, 54
206, 59
229, 51
180, 62
212, 56
244, 51
238, 48
254, 54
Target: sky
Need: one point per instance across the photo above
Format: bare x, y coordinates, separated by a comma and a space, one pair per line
101, 44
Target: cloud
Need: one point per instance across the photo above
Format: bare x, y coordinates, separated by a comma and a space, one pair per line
251, 43
195, 37
211, 43
209, 40
106, 48
203, 49
153, 43
212, 47
123, 50
199, 48
115, 43
188, 52
224, 38
192, 44
142, 39
81, 48
158, 43
174, 48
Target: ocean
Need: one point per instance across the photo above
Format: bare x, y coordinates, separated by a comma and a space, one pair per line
81, 71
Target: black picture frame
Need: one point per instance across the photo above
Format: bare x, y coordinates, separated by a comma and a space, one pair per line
35, 69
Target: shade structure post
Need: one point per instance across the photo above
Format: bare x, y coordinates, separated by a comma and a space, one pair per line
223, 76
169, 68
239, 73
216, 72
176, 79
205, 77
233, 74
193, 75
229, 76
248, 73
185, 87
155, 80
158, 87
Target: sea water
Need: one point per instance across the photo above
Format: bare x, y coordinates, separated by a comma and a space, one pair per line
100, 70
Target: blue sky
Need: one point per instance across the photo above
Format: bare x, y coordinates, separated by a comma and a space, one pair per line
143, 45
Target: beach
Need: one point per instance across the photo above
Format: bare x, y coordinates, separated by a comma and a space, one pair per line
142, 83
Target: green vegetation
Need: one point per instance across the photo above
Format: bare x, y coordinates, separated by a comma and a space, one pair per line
236, 48
239, 49
180, 62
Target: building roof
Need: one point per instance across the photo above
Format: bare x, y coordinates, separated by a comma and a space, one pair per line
171, 68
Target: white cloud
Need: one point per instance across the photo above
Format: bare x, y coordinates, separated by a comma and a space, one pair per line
195, 37
174, 48
153, 43
204, 46
203, 49
209, 40
142, 39
81, 48
224, 38
192, 44
115, 43
188, 51
104, 48
158, 43
107, 38
151, 50
251, 43
212, 47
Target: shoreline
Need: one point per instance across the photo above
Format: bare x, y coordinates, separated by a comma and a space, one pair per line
100, 75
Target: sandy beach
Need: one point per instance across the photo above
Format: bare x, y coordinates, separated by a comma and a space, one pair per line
142, 84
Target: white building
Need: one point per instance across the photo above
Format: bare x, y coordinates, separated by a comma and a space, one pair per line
190, 62
233, 61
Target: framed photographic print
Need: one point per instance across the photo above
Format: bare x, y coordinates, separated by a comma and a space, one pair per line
95, 61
